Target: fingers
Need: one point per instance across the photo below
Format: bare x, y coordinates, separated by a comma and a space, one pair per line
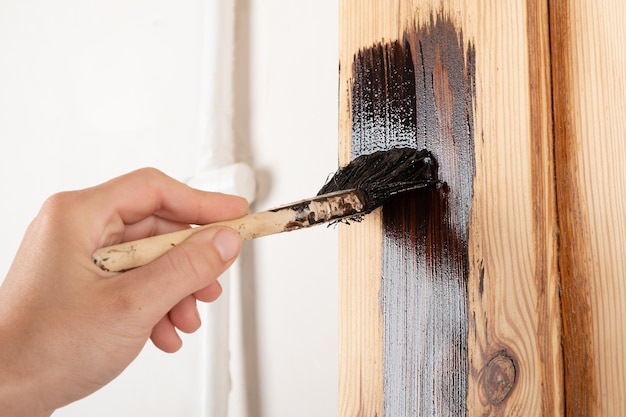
186, 269
210, 293
151, 226
130, 201
190, 268
185, 316
164, 336
149, 191
162, 294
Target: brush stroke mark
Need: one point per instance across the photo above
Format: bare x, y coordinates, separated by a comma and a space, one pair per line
581, 396
418, 92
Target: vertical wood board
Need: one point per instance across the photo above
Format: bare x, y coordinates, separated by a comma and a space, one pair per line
506, 357
588, 43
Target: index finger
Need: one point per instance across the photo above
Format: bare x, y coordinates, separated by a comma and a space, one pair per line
145, 192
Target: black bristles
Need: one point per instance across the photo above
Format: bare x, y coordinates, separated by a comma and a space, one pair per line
383, 174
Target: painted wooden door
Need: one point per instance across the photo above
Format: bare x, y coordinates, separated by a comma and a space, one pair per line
498, 292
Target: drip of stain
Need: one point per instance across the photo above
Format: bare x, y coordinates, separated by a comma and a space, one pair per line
418, 92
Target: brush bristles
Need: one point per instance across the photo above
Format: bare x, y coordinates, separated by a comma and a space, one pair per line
383, 174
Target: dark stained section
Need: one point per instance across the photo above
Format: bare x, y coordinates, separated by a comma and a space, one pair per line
418, 92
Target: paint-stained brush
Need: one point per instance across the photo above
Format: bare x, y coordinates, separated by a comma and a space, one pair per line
353, 191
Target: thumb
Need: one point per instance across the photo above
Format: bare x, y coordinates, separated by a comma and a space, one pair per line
188, 267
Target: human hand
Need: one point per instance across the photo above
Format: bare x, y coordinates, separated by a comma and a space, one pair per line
66, 327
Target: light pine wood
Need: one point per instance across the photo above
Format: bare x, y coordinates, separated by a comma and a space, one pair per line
360, 325
589, 73
513, 225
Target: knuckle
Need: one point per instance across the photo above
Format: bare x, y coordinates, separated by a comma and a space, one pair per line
150, 173
59, 202
58, 209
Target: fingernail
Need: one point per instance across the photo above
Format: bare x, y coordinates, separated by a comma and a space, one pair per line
228, 243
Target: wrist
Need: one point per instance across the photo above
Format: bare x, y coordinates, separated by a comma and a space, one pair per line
20, 394
16, 402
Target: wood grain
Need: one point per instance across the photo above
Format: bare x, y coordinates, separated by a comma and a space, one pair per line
360, 325
589, 85
514, 289
514, 356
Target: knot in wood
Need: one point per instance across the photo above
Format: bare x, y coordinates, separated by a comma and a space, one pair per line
498, 378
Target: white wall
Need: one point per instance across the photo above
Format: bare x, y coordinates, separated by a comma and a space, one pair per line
92, 89
294, 132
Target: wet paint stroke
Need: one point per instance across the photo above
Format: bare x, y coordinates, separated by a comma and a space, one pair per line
419, 92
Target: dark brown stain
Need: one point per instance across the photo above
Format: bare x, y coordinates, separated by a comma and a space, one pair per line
418, 92
574, 259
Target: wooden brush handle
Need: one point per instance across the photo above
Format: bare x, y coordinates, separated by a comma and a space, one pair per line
295, 216
130, 255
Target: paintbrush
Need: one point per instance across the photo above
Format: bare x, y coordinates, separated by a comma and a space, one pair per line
353, 191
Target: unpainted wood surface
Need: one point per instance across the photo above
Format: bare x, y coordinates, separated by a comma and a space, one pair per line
512, 289
589, 84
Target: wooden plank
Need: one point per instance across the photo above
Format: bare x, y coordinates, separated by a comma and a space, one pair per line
589, 84
469, 322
